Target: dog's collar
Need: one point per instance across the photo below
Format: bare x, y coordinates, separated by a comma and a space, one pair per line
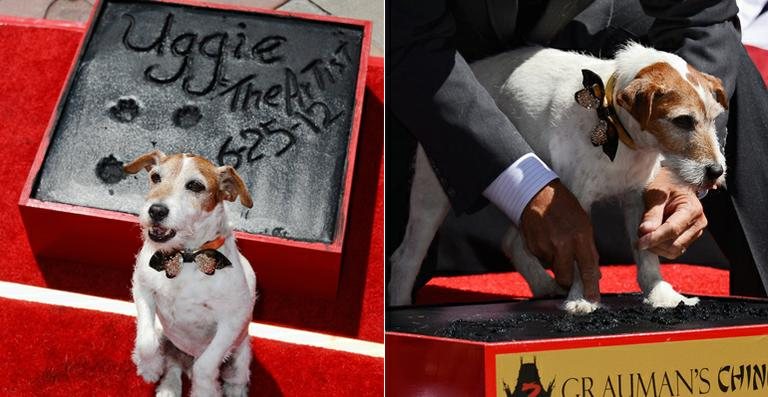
213, 244
623, 134
207, 258
609, 129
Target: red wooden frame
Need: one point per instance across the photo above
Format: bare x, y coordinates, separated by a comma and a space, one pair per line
41, 23
427, 365
113, 237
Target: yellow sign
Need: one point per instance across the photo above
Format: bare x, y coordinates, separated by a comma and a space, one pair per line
733, 367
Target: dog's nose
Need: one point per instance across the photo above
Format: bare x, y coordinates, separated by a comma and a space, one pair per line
158, 212
714, 171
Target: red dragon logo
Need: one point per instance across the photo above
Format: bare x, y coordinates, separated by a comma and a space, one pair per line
528, 382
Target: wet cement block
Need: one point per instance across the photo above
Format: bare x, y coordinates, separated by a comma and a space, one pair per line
543, 319
272, 96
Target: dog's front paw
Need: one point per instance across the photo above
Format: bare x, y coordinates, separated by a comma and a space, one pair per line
148, 359
149, 367
664, 295
580, 306
235, 390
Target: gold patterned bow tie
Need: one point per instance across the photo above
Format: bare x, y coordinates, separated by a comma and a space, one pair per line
207, 258
609, 129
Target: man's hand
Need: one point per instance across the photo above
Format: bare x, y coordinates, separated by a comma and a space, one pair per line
673, 217
558, 231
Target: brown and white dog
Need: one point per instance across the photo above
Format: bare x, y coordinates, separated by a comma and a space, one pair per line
191, 277
667, 109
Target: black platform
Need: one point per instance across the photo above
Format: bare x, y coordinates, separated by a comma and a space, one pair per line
543, 319
271, 95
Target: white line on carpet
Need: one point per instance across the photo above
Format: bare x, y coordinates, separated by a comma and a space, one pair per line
264, 331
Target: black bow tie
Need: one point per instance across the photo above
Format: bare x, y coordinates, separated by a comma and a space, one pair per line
207, 260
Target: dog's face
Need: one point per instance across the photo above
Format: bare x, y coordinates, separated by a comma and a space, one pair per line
185, 190
679, 110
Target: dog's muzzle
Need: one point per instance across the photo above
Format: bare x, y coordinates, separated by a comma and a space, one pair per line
160, 234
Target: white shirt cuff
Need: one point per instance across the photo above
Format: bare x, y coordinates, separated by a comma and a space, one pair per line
515, 186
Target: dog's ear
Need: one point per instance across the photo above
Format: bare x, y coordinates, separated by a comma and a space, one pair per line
710, 82
232, 186
146, 161
637, 98
716, 87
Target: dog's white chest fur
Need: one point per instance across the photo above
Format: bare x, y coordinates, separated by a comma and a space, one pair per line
535, 89
191, 305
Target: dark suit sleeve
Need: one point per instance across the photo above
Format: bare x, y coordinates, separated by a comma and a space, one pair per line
704, 32
433, 92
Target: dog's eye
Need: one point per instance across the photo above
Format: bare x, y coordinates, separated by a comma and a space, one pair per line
684, 122
195, 186
155, 178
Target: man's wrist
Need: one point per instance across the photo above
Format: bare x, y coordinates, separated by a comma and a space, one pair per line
514, 188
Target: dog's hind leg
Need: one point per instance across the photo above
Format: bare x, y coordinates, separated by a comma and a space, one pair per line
657, 292
236, 371
428, 208
542, 285
207, 367
170, 383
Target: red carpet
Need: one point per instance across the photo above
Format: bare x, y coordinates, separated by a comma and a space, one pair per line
56, 351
